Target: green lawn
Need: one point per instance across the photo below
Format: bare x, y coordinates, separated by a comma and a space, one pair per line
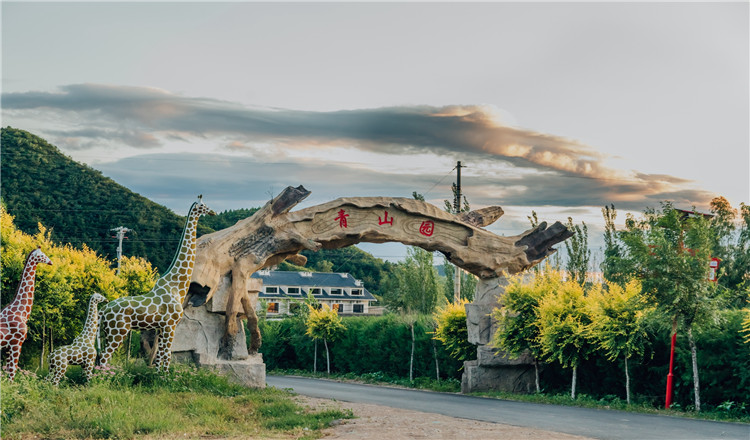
134, 402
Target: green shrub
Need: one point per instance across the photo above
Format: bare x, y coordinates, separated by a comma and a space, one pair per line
370, 344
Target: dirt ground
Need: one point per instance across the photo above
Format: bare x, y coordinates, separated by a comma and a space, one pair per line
385, 423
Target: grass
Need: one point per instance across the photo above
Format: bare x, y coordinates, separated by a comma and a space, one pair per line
726, 412
135, 402
379, 378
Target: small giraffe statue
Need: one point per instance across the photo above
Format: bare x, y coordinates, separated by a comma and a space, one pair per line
14, 316
83, 349
161, 308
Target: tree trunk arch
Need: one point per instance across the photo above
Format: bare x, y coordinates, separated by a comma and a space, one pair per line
227, 258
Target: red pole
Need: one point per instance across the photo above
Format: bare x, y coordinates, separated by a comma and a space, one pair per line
668, 399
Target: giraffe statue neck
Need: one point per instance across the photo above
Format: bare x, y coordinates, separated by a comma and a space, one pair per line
25, 293
177, 278
88, 334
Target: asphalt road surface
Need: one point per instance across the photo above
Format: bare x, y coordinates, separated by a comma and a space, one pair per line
596, 423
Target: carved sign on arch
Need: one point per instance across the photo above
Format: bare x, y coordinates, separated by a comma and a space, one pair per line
226, 258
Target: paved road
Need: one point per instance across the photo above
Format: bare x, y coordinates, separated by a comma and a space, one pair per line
602, 424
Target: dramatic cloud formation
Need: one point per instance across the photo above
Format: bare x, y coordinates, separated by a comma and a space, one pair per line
545, 169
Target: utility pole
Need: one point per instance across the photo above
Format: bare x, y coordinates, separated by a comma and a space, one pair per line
457, 209
121, 231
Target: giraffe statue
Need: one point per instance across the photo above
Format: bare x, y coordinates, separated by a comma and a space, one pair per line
83, 349
161, 308
14, 316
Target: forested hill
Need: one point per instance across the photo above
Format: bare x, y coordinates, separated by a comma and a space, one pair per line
80, 205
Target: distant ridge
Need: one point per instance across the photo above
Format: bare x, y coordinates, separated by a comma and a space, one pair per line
39, 184
42, 185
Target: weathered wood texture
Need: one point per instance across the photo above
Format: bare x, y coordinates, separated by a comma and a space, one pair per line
274, 233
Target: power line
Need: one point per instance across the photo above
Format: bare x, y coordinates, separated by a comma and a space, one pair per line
438, 182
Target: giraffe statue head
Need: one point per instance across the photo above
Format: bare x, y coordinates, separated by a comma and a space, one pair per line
37, 256
200, 208
97, 298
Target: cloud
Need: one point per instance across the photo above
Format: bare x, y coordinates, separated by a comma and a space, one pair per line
87, 138
439, 129
559, 171
231, 183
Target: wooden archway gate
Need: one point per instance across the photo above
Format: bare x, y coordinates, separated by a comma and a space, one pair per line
226, 258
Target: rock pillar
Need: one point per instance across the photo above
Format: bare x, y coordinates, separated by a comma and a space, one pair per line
491, 371
198, 340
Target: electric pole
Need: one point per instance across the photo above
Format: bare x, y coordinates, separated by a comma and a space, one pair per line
120, 230
457, 209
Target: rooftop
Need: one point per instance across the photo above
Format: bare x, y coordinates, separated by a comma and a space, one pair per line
308, 280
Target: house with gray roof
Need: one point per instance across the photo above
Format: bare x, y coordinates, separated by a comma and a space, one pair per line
282, 291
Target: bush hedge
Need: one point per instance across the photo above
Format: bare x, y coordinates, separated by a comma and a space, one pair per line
371, 344
382, 345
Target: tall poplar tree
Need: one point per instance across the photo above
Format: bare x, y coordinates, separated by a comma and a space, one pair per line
578, 251
670, 251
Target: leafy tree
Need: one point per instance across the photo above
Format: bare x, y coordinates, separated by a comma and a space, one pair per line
418, 289
138, 276
518, 321
618, 323
615, 267
670, 251
533, 219
323, 266
450, 205
578, 252
452, 331
730, 242
468, 283
563, 320
324, 323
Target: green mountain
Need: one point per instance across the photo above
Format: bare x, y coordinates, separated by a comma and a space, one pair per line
79, 205
227, 218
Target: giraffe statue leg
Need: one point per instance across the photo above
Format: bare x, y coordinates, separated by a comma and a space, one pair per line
164, 357
57, 366
14, 353
88, 366
115, 338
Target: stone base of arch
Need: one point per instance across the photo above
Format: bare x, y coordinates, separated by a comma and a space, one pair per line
491, 371
198, 341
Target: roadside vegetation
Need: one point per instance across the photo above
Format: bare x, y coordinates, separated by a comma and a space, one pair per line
131, 401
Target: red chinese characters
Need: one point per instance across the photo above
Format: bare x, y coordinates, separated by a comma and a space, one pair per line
427, 228
386, 221
342, 219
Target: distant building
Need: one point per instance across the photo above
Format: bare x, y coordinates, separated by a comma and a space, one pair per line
283, 291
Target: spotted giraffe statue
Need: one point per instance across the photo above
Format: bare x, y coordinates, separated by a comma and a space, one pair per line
83, 349
14, 316
161, 308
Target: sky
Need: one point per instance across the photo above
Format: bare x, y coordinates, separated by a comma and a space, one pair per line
558, 108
